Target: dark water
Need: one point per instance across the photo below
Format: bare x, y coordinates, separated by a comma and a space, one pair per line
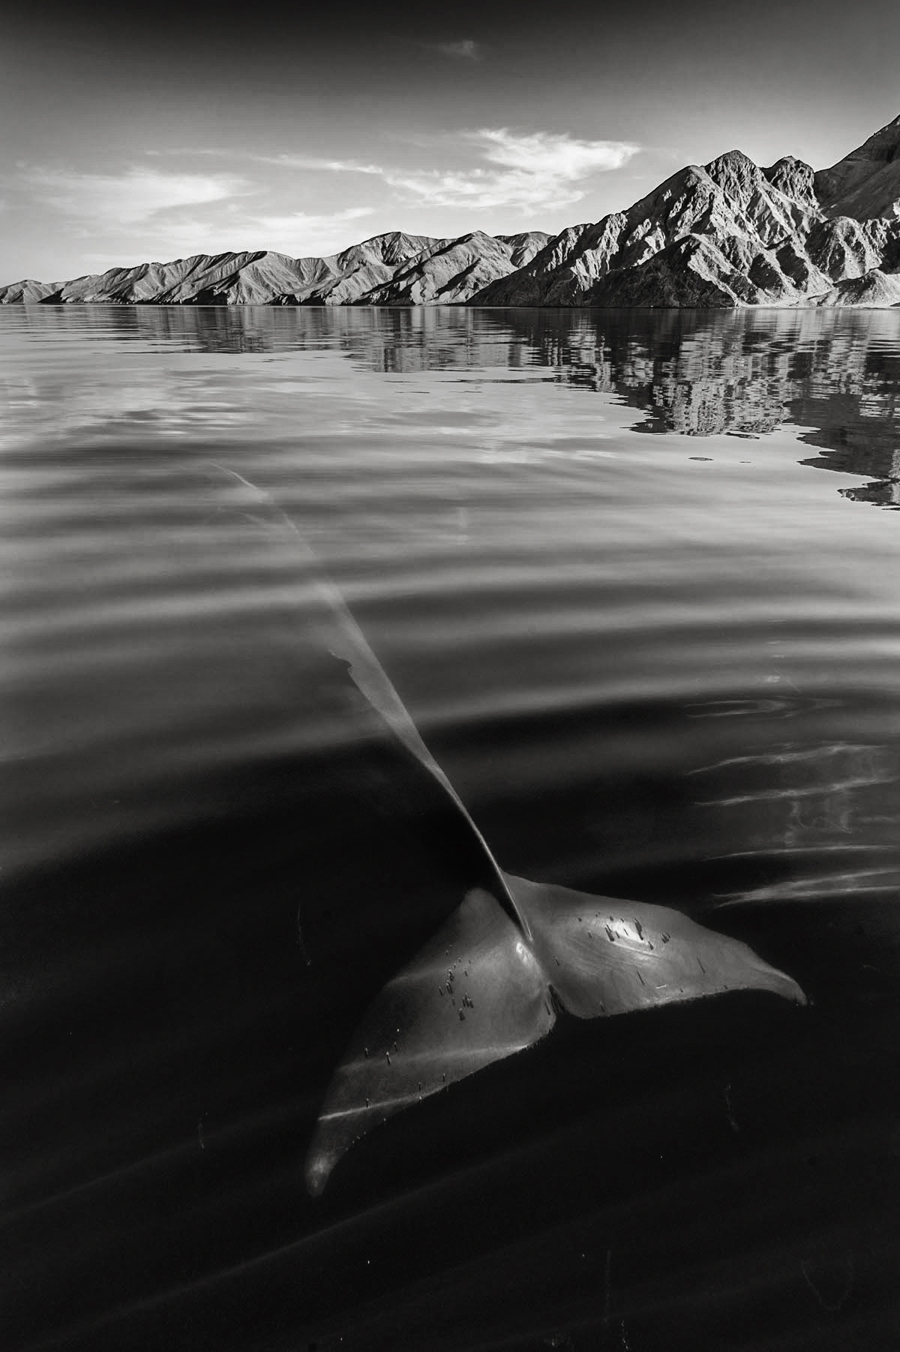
637, 579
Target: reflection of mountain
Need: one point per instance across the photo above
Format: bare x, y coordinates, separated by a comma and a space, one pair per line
836, 377
832, 375
723, 235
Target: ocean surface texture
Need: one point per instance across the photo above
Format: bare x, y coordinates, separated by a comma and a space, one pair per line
636, 577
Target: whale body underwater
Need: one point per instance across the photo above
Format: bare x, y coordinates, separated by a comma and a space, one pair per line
494, 978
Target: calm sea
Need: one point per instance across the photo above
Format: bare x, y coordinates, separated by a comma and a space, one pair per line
636, 577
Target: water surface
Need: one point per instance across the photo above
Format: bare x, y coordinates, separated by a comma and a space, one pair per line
637, 578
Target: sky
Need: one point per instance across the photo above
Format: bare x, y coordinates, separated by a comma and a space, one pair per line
150, 135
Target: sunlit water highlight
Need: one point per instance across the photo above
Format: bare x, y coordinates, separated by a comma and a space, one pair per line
637, 579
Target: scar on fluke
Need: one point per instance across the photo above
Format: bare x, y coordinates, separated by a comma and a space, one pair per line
490, 981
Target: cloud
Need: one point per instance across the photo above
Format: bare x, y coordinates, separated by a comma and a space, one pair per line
317, 162
130, 198
544, 152
464, 50
300, 233
150, 210
525, 170
534, 169
217, 152
285, 159
166, 215
296, 233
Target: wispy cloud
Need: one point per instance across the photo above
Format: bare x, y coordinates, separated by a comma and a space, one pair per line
543, 152
318, 162
300, 232
300, 203
511, 169
216, 152
466, 49
295, 233
135, 196
167, 215
533, 169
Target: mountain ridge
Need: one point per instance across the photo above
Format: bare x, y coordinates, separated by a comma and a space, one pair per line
722, 235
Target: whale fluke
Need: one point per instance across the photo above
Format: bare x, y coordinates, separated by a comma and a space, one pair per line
605, 956
491, 980
473, 995
480, 991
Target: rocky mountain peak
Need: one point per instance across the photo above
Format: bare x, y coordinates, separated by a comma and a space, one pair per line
865, 183
794, 178
736, 174
391, 248
726, 234
732, 162
721, 235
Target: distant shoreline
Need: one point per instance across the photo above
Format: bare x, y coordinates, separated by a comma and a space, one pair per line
550, 309
726, 235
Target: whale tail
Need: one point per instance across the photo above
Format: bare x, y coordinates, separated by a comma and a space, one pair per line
491, 980
482, 989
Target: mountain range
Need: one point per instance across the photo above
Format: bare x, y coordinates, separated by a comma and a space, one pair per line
727, 234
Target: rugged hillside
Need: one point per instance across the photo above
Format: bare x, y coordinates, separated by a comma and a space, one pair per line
732, 234
453, 273
393, 269
866, 183
725, 234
